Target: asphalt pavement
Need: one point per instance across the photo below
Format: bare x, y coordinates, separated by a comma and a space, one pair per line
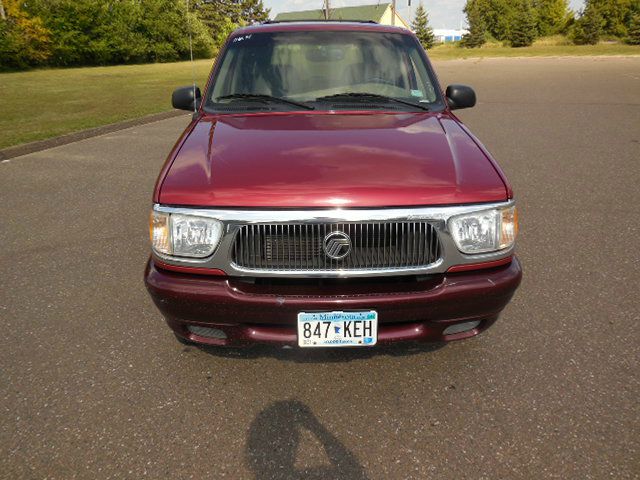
93, 385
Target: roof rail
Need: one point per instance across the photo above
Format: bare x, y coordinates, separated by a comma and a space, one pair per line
270, 22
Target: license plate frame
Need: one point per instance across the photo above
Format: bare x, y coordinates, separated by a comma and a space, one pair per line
338, 328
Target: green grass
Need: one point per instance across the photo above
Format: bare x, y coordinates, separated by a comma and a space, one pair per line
40, 104
556, 46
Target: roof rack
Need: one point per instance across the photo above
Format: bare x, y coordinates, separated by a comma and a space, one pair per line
337, 20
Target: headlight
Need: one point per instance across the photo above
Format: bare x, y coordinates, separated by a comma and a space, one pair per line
184, 235
485, 231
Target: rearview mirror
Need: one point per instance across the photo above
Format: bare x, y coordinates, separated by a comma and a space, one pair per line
183, 99
460, 96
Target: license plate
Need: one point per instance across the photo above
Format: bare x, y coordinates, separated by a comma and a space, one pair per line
338, 329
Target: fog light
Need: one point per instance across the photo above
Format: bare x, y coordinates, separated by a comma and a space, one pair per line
461, 327
207, 332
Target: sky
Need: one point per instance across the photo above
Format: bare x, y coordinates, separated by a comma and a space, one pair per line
442, 13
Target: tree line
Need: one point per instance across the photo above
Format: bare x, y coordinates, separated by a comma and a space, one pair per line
64, 33
519, 22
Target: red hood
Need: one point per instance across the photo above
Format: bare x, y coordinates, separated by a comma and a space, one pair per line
330, 160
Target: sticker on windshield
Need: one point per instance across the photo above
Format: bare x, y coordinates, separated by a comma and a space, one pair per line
241, 39
416, 93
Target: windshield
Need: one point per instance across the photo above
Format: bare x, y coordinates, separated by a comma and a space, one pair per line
263, 70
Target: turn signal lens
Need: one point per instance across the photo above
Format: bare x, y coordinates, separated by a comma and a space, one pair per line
508, 227
160, 232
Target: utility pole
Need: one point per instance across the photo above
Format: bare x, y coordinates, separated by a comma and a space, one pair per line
326, 9
393, 12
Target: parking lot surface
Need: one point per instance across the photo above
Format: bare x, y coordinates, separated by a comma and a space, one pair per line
94, 386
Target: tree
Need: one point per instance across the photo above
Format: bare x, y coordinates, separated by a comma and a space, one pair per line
477, 27
523, 27
633, 35
24, 40
253, 11
102, 32
614, 14
496, 15
168, 26
517, 22
552, 16
588, 28
221, 17
421, 28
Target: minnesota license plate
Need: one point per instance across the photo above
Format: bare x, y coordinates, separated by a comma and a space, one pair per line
338, 329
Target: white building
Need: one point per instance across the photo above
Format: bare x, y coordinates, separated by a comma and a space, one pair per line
445, 35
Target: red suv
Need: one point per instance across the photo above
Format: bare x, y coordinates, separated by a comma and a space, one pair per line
325, 195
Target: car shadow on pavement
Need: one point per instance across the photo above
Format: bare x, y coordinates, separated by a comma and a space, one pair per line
320, 355
274, 446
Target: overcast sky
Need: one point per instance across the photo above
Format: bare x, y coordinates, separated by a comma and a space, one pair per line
442, 13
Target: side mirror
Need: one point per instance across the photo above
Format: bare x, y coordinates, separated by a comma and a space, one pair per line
460, 96
182, 98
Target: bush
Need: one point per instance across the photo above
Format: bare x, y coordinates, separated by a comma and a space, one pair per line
553, 41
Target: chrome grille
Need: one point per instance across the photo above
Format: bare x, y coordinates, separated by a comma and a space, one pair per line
299, 247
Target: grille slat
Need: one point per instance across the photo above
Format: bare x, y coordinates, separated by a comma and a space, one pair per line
299, 247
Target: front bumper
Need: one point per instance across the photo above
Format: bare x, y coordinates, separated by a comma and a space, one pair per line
415, 310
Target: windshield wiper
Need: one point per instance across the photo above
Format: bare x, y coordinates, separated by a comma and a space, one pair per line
374, 96
265, 99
